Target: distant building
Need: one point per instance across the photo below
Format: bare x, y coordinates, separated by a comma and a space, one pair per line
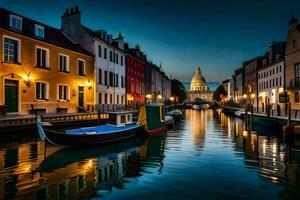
251, 88
109, 61
292, 63
226, 85
271, 77
135, 77
239, 81
198, 88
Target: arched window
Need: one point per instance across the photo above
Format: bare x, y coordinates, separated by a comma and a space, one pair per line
297, 100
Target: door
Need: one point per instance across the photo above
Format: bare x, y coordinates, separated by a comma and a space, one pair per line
80, 96
11, 95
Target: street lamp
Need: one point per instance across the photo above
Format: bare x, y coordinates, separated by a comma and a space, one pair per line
149, 97
159, 98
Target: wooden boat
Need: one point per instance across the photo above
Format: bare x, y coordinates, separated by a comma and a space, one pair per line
176, 114
169, 122
120, 127
152, 118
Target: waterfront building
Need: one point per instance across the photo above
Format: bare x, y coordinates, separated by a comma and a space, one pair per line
135, 77
239, 79
42, 69
271, 78
226, 85
109, 55
198, 89
251, 88
292, 63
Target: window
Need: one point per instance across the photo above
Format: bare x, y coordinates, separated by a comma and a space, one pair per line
122, 99
16, 22
100, 76
81, 67
117, 99
116, 80
121, 60
276, 81
280, 68
297, 99
63, 65
42, 59
117, 58
111, 98
39, 31
105, 98
277, 69
105, 53
280, 80
99, 51
294, 44
63, 92
105, 78
111, 79
297, 74
41, 91
122, 81
11, 49
110, 56
100, 98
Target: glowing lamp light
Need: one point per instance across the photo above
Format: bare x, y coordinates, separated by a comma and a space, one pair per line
252, 96
245, 96
27, 79
159, 97
149, 96
172, 99
89, 84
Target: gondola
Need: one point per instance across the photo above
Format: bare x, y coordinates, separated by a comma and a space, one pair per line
120, 127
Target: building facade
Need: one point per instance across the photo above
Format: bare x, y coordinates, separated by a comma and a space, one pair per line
41, 69
271, 78
109, 62
292, 63
199, 89
135, 77
251, 89
239, 80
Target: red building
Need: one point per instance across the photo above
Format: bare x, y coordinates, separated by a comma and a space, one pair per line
135, 78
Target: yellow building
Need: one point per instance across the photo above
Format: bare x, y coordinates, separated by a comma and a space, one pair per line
41, 69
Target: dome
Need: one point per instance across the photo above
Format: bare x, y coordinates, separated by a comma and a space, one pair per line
198, 78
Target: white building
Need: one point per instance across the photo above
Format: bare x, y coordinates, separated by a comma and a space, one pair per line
270, 85
109, 59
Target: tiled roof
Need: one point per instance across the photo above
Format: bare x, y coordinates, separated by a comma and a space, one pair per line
52, 35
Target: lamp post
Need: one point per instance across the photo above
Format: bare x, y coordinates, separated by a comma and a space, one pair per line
252, 96
149, 97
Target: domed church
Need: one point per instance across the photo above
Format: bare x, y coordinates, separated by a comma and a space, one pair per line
199, 88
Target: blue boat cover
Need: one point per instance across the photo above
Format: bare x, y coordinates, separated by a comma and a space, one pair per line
103, 129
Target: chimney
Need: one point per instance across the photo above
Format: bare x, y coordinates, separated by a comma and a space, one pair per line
293, 24
120, 41
71, 23
109, 38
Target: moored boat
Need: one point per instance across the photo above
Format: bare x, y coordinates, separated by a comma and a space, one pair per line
120, 127
169, 122
152, 118
176, 114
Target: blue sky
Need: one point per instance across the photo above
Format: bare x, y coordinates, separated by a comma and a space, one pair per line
180, 34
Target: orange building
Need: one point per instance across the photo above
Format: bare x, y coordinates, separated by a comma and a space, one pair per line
41, 69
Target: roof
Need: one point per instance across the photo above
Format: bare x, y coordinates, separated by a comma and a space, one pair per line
198, 78
52, 35
226, 81
96, 34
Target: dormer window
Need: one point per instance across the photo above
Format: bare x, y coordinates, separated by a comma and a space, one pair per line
15, 22
39, 31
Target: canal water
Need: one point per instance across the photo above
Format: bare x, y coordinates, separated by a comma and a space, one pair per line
206, 156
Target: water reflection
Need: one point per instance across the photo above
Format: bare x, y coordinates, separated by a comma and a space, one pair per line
270, 164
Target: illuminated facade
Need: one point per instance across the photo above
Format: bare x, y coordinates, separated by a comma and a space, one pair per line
41, 69
199, 88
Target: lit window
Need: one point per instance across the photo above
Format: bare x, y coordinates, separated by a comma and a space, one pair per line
16, 22
39, 31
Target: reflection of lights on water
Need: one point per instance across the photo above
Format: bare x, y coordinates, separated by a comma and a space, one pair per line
27, 168
274, 148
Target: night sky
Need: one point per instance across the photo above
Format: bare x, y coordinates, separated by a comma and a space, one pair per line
180, 34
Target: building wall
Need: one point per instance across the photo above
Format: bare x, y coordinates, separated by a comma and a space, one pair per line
52, 76
106, 91
270, 85
239, 87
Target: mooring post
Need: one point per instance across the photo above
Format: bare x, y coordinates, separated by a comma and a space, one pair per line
98, 116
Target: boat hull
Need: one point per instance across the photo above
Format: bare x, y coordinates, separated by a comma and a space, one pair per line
63, 139
156, 131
